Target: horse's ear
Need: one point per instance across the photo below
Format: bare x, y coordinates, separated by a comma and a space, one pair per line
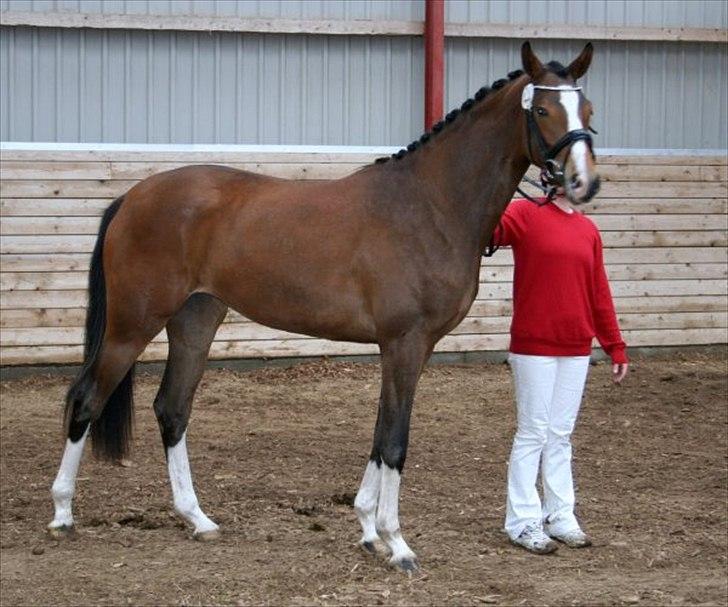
531, 64
578, 67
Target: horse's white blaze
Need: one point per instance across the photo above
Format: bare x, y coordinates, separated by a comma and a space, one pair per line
579, 150
365, 503
64, 486
387, 521
183, 493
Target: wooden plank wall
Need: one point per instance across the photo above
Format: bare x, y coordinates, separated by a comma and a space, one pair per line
663, 220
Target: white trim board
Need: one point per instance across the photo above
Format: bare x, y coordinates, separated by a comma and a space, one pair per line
295, 149
194, 147
359, 27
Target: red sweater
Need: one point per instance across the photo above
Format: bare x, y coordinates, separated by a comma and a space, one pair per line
561, 297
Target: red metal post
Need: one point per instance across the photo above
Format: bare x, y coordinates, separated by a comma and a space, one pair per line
434, 60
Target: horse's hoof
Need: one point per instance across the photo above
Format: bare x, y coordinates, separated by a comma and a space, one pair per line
374, 548
62, 532
408, 566
207, 536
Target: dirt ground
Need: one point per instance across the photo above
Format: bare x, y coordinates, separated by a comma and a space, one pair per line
278, 454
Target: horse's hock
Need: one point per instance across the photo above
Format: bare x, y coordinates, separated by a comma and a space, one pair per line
663, 220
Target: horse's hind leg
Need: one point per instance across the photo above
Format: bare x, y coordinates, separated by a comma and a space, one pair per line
100, 404
64, 486
190, 332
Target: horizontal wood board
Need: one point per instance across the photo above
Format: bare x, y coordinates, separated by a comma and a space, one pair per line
357, 27
663, 219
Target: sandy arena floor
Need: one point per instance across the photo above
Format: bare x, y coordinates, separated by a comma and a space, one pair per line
278, 454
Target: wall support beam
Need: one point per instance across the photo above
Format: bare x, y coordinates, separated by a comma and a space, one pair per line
434, 61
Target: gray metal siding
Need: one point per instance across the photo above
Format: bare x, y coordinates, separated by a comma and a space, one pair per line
195, 87
645, 94
185, 87
632, 13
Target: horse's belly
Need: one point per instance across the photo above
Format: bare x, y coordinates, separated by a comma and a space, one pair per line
331, 311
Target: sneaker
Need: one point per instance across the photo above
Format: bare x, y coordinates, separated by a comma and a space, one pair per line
575, 538
534, 540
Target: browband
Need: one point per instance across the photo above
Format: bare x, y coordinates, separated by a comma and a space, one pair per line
527, 95
543, 87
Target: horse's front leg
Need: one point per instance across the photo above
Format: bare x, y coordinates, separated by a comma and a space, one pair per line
377, 503
367, 499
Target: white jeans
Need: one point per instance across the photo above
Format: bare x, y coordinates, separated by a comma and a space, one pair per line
548, 395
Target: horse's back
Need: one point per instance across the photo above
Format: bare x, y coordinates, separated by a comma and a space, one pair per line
271, 247
200, 183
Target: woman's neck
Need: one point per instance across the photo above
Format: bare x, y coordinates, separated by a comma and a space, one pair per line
563, 203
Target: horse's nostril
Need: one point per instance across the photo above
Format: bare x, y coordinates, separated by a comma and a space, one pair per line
575, 182
593, 188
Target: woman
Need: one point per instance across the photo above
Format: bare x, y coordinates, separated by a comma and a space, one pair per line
561, 300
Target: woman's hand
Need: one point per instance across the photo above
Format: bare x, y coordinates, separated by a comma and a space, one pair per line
619, 370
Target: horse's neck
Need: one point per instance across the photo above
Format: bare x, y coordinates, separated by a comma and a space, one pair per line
477, 163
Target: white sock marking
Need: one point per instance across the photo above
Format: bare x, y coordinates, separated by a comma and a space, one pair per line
387, 521
579, 150
64, 486
365, 503
183, 493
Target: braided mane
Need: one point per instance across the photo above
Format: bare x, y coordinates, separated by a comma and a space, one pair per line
467, 105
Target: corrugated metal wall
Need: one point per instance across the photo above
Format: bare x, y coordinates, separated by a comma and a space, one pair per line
634, 13
645, 94
185, 87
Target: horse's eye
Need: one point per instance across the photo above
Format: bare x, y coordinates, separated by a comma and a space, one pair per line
541, 111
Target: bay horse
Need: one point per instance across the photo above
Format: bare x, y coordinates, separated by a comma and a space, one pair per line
388, 255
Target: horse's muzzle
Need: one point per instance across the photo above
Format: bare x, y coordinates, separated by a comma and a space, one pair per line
577, 193
595, 186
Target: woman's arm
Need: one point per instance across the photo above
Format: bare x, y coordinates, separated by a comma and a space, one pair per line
512, 225
605, 317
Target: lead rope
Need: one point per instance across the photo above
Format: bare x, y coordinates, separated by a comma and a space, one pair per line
549, 192
493, 245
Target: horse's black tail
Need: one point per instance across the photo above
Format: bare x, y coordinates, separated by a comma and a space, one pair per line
111, 430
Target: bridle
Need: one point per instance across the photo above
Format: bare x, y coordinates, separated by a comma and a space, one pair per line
553, 172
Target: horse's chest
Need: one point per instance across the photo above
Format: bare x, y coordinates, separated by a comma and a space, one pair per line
453, 298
